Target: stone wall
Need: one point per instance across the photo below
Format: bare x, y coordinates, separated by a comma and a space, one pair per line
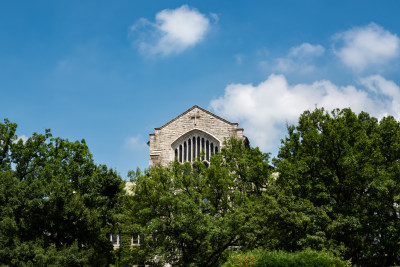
195, 120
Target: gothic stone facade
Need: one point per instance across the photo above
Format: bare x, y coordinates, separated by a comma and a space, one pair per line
192, 133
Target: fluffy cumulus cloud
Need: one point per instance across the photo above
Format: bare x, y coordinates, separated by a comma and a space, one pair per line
300, 58
363, 47
263, 109
173, 31
386, 90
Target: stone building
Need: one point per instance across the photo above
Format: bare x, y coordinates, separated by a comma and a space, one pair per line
186, 137
193, 132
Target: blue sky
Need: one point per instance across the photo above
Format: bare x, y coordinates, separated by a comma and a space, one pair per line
110, 72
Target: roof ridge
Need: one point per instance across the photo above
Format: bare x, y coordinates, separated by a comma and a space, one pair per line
190, 109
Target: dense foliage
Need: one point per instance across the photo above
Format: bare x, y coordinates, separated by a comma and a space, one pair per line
198, 215
337, 190
279, 258
348, 166
56, 205
193, 214
332, 195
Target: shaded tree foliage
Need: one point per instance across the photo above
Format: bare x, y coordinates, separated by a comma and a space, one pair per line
56, 205
190, 214
348, 166
193, 214
279, 258
337, 190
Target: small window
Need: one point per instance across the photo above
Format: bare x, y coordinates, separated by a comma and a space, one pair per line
114, 238
135, 240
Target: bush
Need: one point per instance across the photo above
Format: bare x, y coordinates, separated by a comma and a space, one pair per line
282, 258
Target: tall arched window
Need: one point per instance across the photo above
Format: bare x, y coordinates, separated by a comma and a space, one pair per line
189, 150
189, 146
198, 146
207, 151
202, 147
194, 148
184, 151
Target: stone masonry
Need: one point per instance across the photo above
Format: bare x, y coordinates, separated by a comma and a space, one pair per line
193, 132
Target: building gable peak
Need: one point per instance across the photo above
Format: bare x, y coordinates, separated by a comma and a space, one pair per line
193, 108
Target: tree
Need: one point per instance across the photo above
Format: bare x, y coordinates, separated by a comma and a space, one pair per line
348, 166
191, 214
56, 204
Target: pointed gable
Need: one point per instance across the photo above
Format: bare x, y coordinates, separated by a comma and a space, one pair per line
191, 109
194, 130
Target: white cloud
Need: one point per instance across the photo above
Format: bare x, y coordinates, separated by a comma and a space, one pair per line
287, 65
263, 109
21, 137
307, 50
388, 90
367, 46
300, 59
173, 31
135, 143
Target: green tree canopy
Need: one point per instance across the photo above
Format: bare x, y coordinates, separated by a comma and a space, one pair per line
56, 204
348, 166
191, 214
